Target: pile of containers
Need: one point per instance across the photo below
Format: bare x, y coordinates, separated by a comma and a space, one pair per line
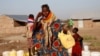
15, 53
86, 52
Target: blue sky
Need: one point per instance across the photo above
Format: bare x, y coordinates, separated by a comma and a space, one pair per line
62, 8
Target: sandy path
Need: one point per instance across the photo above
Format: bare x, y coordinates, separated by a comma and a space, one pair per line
15, 38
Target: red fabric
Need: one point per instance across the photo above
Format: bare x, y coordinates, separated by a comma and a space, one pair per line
31, 28
77, 49
38, 45
56, 44
53, 54
56, 25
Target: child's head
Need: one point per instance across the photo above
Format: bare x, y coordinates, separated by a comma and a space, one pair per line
31, 16
65, 29
75, 30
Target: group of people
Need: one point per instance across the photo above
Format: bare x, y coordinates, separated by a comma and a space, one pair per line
43, 35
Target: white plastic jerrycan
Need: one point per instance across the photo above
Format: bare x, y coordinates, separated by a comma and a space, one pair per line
20, 53
13, 53
5, 53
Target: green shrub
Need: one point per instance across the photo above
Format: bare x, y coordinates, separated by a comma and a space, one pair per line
89, 38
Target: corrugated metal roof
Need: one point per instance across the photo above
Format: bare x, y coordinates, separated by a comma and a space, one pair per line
81, 18
96, 18
93, 18
22, 18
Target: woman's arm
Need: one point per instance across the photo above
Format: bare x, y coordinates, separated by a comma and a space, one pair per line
38, 15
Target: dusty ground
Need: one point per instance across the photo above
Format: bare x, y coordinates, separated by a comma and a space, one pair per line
91, 36
18, 42
94, 32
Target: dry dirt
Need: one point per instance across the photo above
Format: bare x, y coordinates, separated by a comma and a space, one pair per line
94, 32
17, 42
93, 37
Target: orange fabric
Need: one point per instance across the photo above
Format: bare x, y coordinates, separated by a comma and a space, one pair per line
54, 54
49, 17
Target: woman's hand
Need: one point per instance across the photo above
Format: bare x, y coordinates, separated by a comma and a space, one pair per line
39, 14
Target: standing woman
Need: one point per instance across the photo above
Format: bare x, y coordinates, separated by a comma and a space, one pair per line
47, 17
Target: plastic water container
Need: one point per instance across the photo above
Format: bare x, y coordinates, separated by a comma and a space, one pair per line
20, 53
13, 53
95, 53
70, 50
26, 54
5, 53
86, 48
86, 53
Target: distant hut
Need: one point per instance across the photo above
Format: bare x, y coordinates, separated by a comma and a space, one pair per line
96, 22
6, 22
83, 23
19, 20
12, 24
87, 23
